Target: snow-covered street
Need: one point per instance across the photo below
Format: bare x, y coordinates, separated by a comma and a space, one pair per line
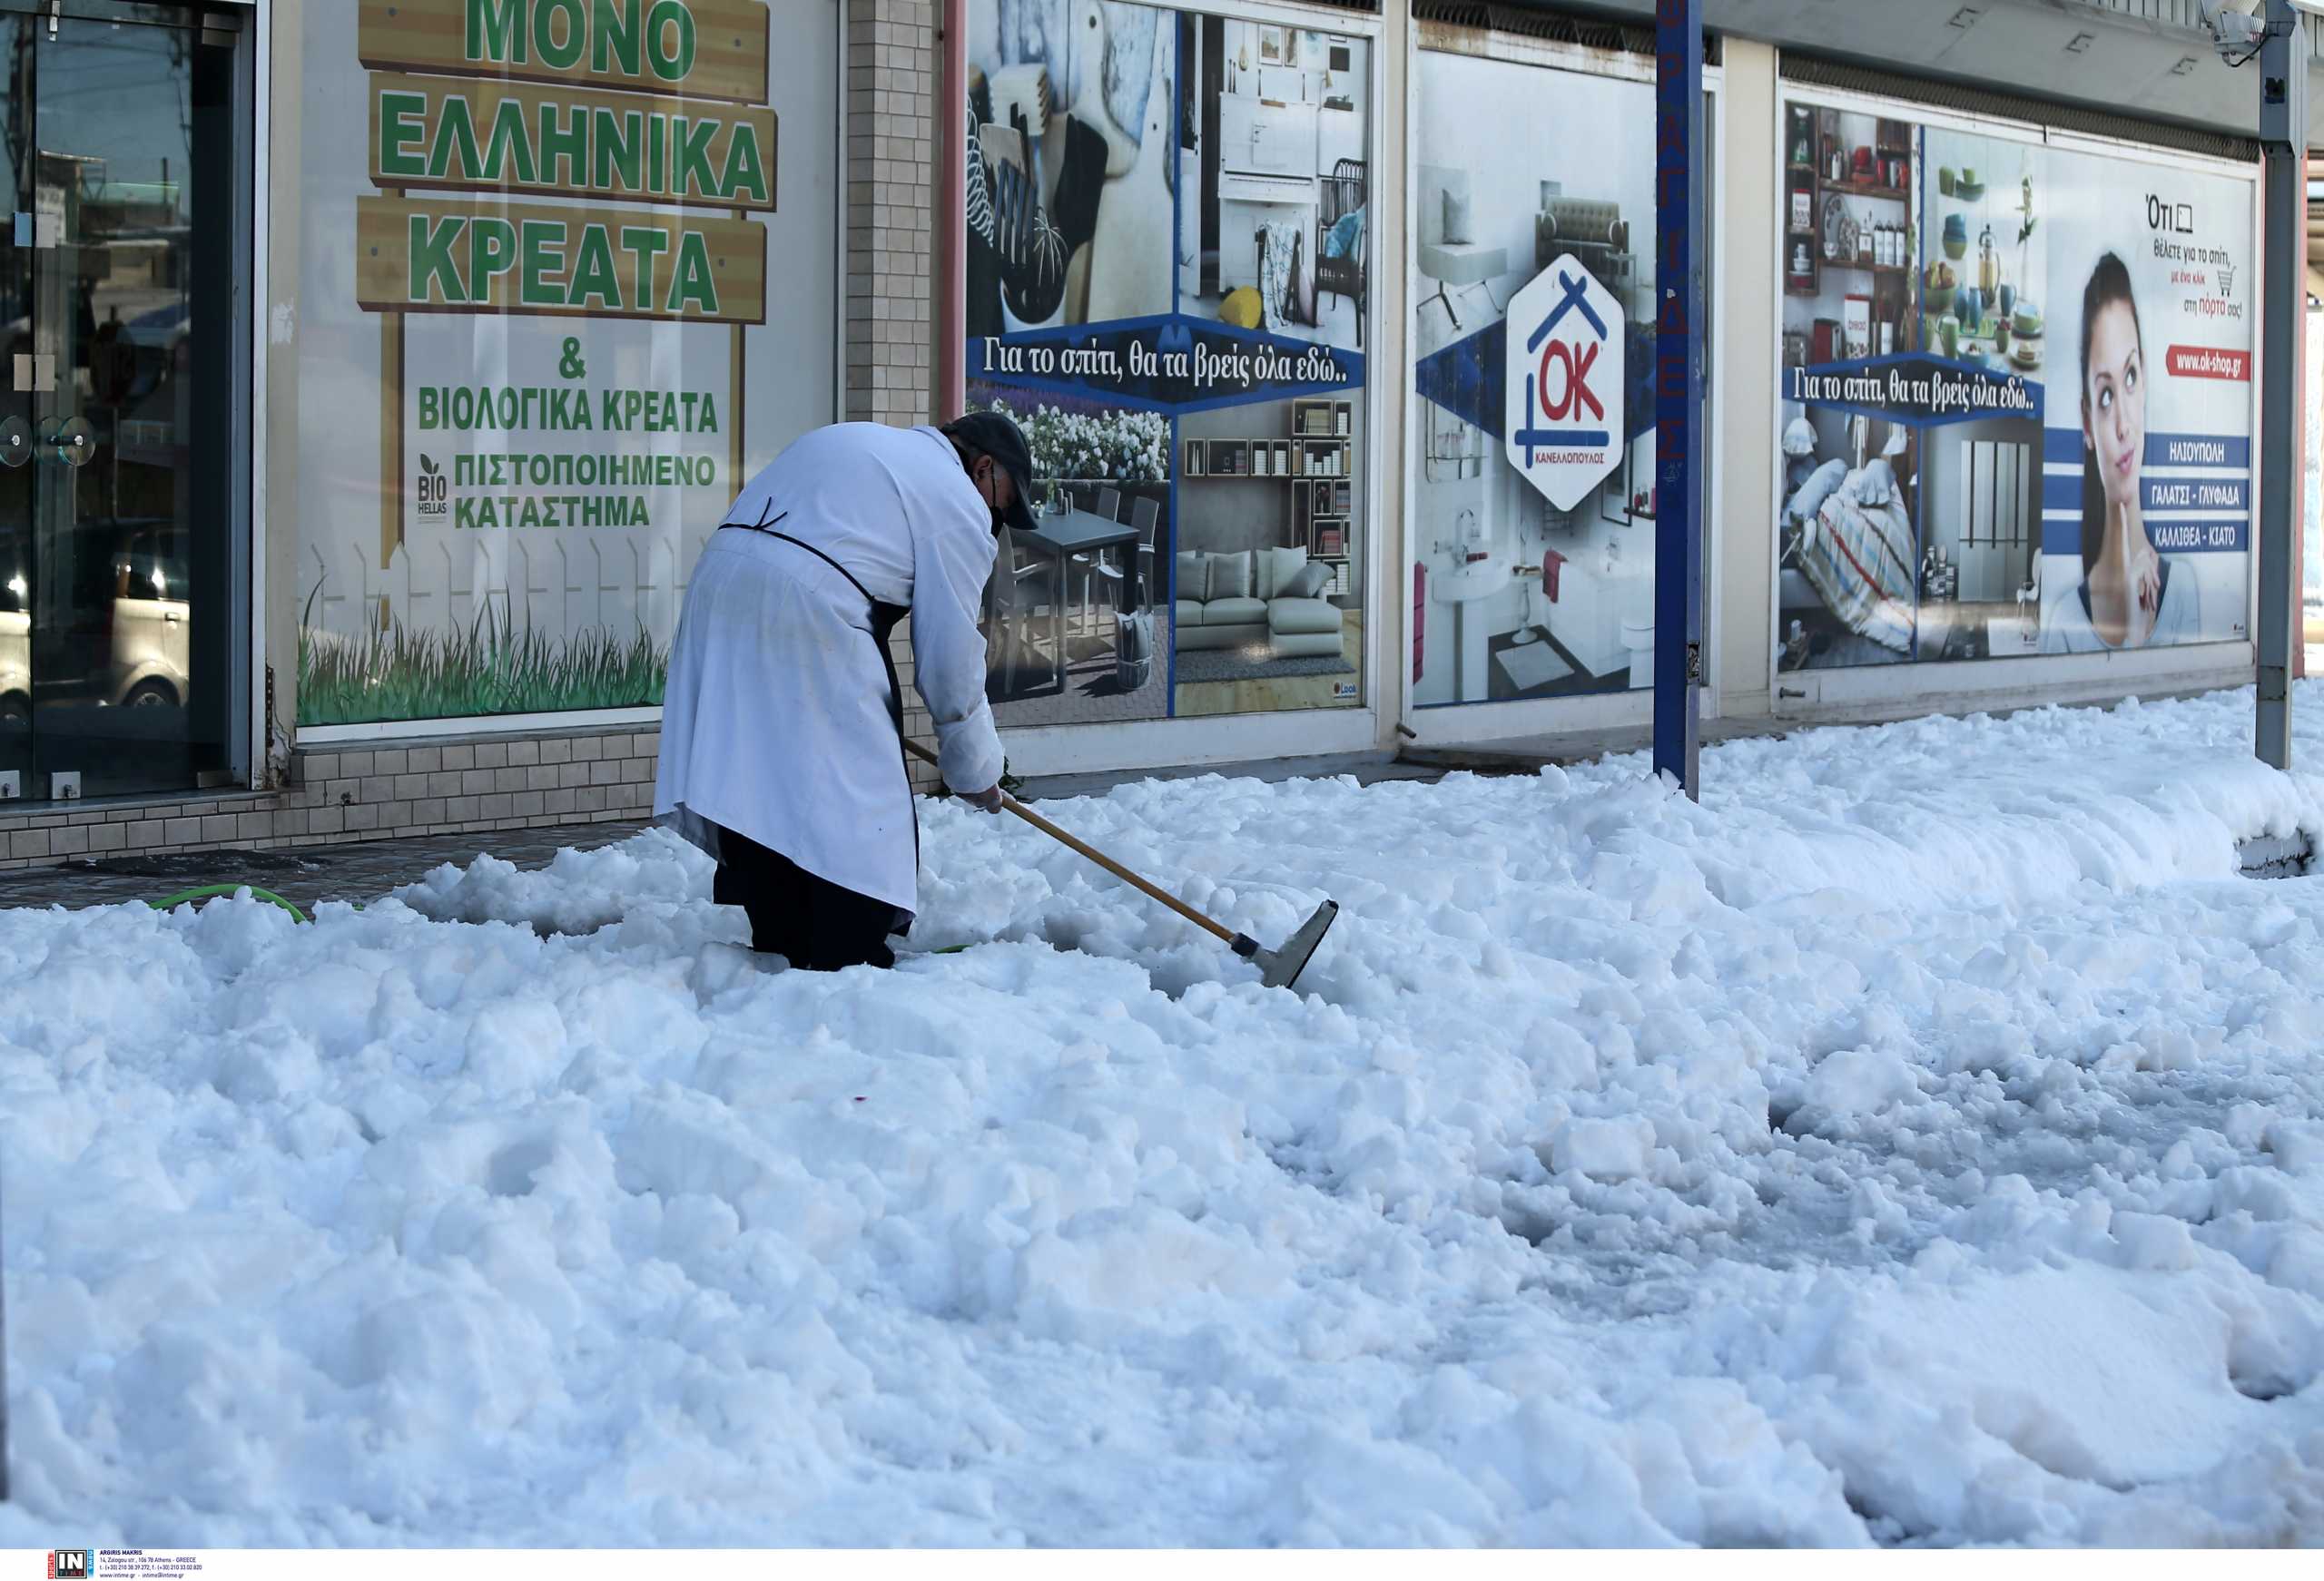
1921, 1140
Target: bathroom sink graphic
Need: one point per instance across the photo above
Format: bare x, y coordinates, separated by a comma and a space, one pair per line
1480, 580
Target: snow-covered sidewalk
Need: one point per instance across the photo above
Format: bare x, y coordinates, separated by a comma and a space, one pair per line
1921, 1140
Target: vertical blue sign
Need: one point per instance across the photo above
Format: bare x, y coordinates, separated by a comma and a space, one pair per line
1679, 439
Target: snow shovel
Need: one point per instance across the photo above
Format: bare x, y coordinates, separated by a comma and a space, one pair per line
1278, 967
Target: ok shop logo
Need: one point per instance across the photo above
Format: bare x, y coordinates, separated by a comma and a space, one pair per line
1562, 408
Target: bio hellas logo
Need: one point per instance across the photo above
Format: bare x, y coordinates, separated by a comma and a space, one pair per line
1562, 404
71, 1565
433, 487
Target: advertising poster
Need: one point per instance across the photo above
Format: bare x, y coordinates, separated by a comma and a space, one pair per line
2017, 397
1532, 345
2312, 491
539, 347
1167, 285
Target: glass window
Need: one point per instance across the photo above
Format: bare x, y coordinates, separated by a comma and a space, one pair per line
1168, 274
562, 304
1533, 340
118, 466
2015, 397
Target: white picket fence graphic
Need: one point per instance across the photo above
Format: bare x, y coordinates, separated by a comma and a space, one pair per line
556, 591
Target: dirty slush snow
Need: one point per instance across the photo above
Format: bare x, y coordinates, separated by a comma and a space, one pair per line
1920, 1140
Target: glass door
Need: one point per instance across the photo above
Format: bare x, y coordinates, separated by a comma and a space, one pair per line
122, 165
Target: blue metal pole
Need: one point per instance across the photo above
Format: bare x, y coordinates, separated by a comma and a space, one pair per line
2283, 145
1679, 435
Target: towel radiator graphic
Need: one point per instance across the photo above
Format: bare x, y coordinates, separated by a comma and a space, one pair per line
1995, 533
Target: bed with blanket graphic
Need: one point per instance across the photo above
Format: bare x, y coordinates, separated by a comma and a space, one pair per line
1853, 541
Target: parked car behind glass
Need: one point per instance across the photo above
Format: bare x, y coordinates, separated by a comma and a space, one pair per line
16, 641
125, 644
150, 617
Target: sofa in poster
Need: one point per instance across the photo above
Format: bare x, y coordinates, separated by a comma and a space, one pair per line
1265, 595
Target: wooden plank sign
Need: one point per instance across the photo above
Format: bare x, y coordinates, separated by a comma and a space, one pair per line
699, 49
450, 256
463, 135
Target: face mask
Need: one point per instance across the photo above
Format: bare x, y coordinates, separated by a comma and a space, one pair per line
985, 488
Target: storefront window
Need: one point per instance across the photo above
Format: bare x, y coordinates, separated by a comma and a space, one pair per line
1168, 263
124, 633
565, 290
2312, 494
1529, 179
2016, 396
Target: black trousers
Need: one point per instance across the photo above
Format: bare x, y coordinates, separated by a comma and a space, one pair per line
809, 922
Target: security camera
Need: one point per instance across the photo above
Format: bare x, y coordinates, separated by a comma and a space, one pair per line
2236, 33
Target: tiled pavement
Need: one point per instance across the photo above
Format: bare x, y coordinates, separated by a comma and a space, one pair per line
305, 875
302, 874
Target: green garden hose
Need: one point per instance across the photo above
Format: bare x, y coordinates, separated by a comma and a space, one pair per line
207, 890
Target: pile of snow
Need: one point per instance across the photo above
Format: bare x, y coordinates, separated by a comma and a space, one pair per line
577, 893
1921, 1140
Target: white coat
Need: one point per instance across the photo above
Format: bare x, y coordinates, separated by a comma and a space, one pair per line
775, 717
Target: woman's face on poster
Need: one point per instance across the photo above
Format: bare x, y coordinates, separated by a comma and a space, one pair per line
2113, 401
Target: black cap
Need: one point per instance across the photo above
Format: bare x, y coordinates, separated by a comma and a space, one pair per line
992, 434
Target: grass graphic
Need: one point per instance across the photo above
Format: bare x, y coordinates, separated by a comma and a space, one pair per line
489, 668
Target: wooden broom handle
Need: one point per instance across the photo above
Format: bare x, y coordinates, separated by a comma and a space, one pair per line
1095, 854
